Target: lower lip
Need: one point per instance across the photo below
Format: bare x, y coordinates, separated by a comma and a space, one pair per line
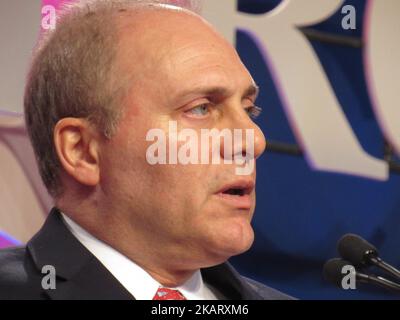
240, 202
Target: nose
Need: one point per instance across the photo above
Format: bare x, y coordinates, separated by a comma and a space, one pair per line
251, 137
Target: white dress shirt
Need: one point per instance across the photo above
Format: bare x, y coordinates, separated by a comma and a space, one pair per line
135, 280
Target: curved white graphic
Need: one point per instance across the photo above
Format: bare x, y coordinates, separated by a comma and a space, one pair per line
382, 65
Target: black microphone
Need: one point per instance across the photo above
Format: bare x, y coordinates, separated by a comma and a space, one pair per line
360, 252
333, 272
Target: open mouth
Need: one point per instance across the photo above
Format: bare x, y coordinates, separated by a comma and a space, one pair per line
238, 194
235, 192
238, 188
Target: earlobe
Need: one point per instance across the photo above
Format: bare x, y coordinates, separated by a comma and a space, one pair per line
77, 147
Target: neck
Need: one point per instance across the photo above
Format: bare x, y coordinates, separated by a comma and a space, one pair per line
155, 260
170, 279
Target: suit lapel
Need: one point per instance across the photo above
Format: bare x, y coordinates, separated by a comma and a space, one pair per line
91, 282
79, 274
229, 283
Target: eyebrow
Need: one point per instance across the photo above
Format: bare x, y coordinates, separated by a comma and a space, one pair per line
219, 91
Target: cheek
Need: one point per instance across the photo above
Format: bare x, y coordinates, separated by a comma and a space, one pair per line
179, 187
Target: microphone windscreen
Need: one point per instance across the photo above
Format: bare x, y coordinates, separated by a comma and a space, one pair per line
332, 270
353, 248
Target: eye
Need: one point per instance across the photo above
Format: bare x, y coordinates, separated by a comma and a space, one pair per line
253, 111
200, 111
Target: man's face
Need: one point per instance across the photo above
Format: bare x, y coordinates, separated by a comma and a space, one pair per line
182, 71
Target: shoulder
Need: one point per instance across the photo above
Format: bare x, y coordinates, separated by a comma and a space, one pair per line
266, 292
11, 264
18, 276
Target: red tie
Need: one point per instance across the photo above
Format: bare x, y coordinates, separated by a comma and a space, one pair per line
168, 294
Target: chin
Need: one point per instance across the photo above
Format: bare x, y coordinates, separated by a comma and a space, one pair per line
238, 240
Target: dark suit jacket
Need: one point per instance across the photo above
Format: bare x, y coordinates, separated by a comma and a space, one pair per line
81, 276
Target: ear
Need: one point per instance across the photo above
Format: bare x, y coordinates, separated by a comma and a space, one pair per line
77, 145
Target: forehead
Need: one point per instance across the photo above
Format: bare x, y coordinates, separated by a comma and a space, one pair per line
179, 50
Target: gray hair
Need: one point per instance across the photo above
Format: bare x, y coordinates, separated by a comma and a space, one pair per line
70, 76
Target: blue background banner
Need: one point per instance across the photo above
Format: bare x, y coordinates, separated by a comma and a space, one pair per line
302, 213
